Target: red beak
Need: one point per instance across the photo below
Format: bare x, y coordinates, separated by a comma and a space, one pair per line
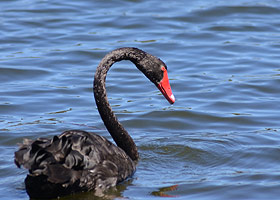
165, 88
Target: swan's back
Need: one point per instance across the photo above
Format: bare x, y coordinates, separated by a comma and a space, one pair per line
73, 161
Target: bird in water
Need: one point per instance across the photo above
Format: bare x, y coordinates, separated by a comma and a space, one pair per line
78, 160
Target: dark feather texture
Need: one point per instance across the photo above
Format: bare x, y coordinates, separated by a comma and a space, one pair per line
73, 161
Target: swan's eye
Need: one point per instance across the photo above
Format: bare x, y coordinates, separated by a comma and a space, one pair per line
163, 68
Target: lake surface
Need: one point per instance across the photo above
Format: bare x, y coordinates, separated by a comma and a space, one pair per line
221, 138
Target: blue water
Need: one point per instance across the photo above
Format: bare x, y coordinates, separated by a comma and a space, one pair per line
220, 140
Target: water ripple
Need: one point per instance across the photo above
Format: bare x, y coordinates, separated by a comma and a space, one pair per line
220, 140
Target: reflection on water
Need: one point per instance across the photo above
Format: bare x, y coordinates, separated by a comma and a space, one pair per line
220, 140
162, 192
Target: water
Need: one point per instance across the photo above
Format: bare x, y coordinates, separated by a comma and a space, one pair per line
220, 140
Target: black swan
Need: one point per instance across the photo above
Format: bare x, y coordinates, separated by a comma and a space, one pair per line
81, 161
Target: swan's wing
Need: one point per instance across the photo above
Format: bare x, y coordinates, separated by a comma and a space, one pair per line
75, 156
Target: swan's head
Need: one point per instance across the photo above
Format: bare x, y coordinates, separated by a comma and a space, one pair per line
156, 70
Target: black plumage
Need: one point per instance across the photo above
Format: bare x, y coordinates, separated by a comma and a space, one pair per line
71, 162
81, 161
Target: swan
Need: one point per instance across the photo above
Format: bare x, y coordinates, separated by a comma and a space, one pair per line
78, 160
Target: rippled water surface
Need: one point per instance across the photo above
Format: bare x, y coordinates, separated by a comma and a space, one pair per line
220, 140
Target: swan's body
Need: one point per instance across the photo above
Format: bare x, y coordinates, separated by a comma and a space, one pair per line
74, 161
82, 161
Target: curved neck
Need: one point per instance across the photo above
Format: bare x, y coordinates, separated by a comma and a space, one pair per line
117, 131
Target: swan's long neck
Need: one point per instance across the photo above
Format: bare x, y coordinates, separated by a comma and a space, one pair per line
117, 131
